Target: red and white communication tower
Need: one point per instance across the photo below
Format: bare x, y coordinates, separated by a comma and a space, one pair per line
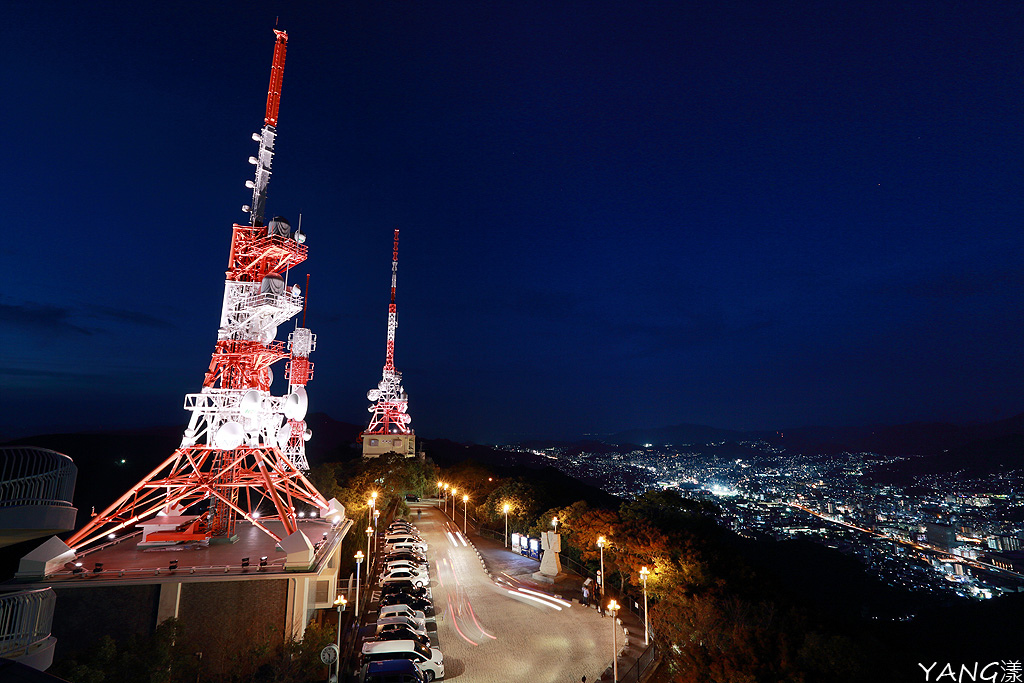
389, 422
243, 446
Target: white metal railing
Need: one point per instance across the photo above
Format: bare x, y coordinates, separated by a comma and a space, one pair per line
35, 476
25, 619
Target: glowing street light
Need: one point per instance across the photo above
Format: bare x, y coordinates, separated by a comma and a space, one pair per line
505, 508
340, 604
369, 533
643, 575
554, 523
600, 544
359, 561
613, 607
454, 491
439, 485
465, 508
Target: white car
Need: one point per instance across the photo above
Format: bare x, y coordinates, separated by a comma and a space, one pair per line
416, 546
417, 628
389, 611
427, 658
418, 579
406, 564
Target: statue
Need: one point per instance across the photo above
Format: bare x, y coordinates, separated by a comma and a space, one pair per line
550, 565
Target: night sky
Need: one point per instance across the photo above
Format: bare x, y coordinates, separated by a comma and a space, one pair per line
614, 214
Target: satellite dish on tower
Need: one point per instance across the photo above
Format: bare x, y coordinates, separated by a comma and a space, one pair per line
229, 436
250, 403
373, 394
295, 404
284, 434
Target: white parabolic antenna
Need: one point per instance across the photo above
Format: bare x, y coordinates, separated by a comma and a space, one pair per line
229, 436
283, 435
295, 404
373, 394
250, 403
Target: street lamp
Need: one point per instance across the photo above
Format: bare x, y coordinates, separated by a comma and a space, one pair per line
446, 496
554, 523
465, 507
369, 533
340, 604
359, 561
613, 607
439, 484
505, 510
454, 491
600, 544
643, 575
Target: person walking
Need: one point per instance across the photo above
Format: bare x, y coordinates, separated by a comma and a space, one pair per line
586, 597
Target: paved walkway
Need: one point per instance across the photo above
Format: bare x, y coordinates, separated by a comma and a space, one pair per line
489, 630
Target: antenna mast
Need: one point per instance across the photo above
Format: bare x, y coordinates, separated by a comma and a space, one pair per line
389, 412
265, 157
243, 446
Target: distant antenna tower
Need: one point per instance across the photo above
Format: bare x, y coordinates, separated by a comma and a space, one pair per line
243, 446
389, 422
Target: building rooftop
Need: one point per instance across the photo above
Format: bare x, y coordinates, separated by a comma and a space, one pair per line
122, 560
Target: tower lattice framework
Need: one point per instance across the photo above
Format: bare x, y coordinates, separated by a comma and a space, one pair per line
389, 412
243, 448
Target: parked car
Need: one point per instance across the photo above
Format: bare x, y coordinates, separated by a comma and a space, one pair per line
406, 564
415, 546
417, 625
412, 498
419, 603
426, 657
401, 611
395, 632
405, 555
405, 574
392, 671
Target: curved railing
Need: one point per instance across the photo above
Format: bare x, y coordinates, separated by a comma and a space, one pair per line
25, 620
35, 476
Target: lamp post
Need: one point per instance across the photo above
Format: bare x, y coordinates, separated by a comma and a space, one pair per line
465, 508
340, 604
369, 533
438, 505
613, 607
643, 575
377, 513
445, 496
554, 523
359, 561
600, 544
454, 491
505, 510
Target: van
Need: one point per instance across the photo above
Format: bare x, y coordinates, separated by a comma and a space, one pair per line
427, 658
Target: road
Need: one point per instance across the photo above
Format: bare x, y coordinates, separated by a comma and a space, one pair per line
494, 634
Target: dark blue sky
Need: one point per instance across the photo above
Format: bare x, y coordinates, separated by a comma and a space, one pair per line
613, 214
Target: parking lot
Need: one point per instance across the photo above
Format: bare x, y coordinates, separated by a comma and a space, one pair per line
491, 632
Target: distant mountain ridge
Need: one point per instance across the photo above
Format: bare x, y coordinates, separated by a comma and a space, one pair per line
916, 438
